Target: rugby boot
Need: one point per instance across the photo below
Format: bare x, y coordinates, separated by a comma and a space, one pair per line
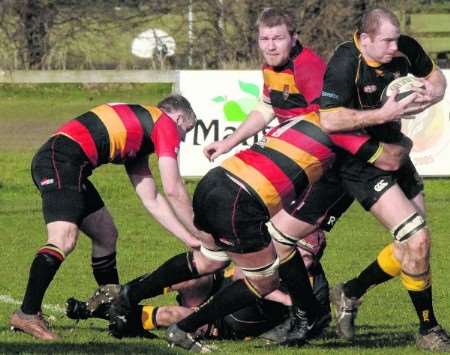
298, 328
33, 324
120, 313
436, 339
304, 327
177, 337
97, 306
346, 309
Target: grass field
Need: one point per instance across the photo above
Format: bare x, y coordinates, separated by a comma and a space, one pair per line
386, 322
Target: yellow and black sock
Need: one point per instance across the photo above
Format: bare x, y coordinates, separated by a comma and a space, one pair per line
381, 270
419, 290
228, 300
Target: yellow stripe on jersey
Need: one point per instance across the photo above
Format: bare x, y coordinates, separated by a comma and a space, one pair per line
260, 184
309, 163
155, 112
116, 130
280, 81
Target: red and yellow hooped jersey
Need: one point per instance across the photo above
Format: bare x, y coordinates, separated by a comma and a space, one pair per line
294, 89
278, 169
116, 133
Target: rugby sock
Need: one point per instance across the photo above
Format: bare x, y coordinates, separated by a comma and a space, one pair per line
228, 300
44, 267
423, 303
104, 269
294, 275
419, 289
148, 317
381, 270
177, 269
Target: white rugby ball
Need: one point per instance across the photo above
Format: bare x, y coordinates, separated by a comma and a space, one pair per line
404, 87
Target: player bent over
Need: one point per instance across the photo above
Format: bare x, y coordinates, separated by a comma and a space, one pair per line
111, 133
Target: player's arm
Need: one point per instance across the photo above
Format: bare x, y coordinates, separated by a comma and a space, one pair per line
176, 193
383, 155
141, 178
346, 119
255, 122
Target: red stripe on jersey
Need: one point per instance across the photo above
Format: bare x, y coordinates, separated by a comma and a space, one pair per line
308, 144
284, 114
349, 141
270, 170
165, 137
80, 134
133, 127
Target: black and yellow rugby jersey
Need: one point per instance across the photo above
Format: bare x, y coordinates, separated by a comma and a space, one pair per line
352, 82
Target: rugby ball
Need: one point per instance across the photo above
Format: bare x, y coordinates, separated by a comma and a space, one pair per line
404, 87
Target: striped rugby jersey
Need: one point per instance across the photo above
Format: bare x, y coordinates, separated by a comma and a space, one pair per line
118, 132
293, 155
294, 88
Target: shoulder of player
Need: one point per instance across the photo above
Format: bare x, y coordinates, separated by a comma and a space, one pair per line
407, 43
308, 54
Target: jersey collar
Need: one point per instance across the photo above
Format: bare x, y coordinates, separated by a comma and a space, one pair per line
369, 62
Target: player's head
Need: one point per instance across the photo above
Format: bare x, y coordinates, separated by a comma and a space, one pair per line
180, 110
276, 35
378, 32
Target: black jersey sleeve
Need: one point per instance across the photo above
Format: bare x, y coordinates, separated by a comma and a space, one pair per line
338, 88
421, 64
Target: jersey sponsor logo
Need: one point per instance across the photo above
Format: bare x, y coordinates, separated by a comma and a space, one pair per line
46, 181
330, 94
285, 92
369, 89
380, 185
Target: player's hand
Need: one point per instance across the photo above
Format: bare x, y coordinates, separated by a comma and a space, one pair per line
215, 149
193, 242
394, 110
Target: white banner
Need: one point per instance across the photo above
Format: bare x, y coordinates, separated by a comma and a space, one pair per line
222, 99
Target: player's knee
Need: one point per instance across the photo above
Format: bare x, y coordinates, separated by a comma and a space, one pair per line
419, 244
262, 280
207, 261
65, 239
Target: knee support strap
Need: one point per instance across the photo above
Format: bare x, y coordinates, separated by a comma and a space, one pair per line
280, 237
408, 227
264, 271
217, 255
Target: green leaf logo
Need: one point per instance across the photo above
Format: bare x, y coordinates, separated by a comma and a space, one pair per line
237, 110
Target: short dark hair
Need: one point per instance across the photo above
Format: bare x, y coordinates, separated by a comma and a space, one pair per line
176, 102
371, 21
271, 17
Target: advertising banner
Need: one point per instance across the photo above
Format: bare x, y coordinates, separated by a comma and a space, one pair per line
222, 100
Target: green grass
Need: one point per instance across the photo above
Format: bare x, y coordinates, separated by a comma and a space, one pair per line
386, 322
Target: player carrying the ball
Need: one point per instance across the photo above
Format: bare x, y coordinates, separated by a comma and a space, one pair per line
356, 75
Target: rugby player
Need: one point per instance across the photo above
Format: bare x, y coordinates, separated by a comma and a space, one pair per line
356, 75
111, 133
233, 202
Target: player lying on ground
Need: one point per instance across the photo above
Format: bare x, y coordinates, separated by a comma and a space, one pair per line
251, 321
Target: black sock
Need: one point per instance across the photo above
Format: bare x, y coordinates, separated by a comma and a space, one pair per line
423, 303
228, 300
295, 277
370, 276
104, 269
44, 267
177, 269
